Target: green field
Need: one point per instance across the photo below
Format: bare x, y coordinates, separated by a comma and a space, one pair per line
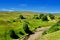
51, 36
10, 20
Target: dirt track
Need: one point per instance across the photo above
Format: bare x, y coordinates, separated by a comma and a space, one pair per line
37, 34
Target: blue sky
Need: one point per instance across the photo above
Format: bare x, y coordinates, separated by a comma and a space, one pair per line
52, 6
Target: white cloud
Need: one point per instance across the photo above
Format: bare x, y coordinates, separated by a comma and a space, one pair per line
7, 9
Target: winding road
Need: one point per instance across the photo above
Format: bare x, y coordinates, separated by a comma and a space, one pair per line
36, 35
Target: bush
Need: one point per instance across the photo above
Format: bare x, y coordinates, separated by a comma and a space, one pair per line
44, 33
59, 18
41, 15
36, 17
21, 17
14, 20
21, 33
26, 21
9, 21
39, 26
13, 35
26, 29
51, 16
44, 18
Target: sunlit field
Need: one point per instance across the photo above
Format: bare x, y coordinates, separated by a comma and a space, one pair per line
12, 21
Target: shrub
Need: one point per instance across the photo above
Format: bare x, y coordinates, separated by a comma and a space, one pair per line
13, 35
44, 33
9, 21
51, 16
21, 33
44, 18
39, 26
36, 17
14, 20
26, 21
21, 17
26, 29
41, 15
59, 18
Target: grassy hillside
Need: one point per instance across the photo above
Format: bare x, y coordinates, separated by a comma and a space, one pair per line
53, 28
52, 33
10, 20
51, 36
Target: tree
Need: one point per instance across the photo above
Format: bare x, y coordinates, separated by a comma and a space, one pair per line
44, 18
41, 15
51, 16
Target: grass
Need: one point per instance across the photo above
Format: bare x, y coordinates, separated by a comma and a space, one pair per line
51, 36
53, 33
53, 28
6, 23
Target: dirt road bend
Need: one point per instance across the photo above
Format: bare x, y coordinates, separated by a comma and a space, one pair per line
37, 34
